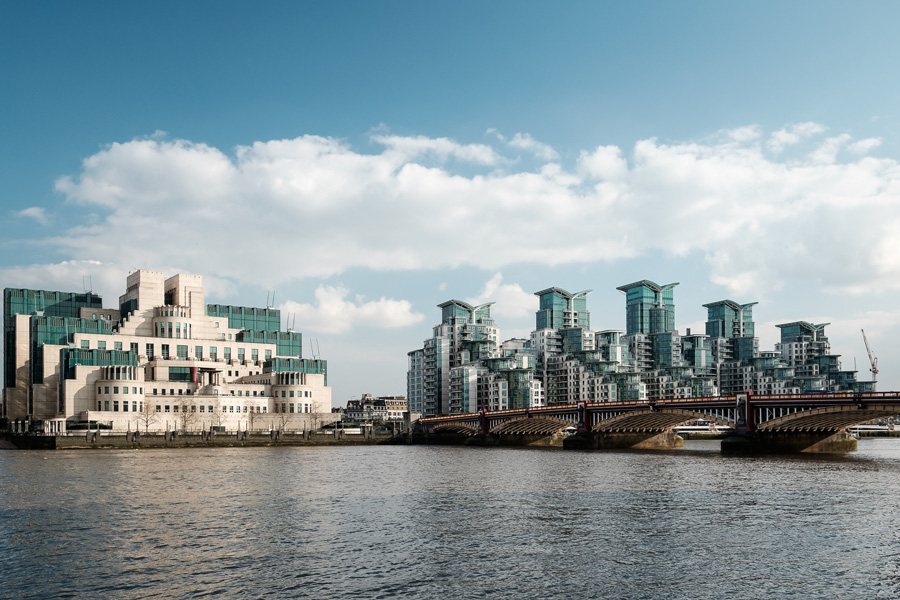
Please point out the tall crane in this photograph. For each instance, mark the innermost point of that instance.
(873, 360)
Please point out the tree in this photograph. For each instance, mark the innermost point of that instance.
(282, 419)
(187, 413)
(251, 418)
(147, 415)
(315, 407)
(217, 413)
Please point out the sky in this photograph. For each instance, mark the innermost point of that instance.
(363, 162)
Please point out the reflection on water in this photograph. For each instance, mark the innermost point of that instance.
(443, 522)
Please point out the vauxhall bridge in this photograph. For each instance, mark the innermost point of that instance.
(812, 422)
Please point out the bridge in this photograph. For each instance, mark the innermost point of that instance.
(814, 422)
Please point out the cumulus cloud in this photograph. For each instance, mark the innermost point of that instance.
(512, 301)
(864, 146)
(334, 313)
(413, 147)
(33, 212)
(312, 207)
(792, 134)
(524, 141)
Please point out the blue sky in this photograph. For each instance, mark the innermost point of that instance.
(367, 161)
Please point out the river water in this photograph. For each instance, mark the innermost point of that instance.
(449, 522)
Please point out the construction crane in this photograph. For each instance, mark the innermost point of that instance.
(873, 360)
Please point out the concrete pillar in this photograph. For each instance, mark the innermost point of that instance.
(790, 442)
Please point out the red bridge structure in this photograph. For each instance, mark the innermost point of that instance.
(813, 422)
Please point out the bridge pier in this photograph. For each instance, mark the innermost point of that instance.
(790, 442)
(624, 440)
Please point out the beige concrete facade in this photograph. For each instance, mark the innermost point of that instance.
(192, 373)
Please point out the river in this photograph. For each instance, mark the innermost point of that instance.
(449, 522)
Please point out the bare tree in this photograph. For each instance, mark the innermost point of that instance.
(187, 413)
(251, 418)
(218, 413)
(282, 419)
(315, 408)
(147, 415)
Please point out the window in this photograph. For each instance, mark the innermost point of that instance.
(292, 407)
(99, 405)
(254, 354)
(241, 354)
(198, 352)
(115, 389)
(175, 408)
(292, 393)
(154, 391)
(213, 353)
(268, 355)
(202, 407)
(99, 392)
(182, 352)
(134, 390)
(106, 389)
(125, 406)
(117, 345)
(149, 350)
(245, 409)
(282, 393)
(228, 354)
(134, 347)
(210, 409)
(167, 408)
(165, 351)
(115, 406)
(157, 408)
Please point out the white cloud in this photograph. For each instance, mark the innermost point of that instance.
(413, 147)
(524, 141)
(285, 210)
(605, 162)
(792, 134)
(745, 134)
(33, 212)
(827, 152)
(512, 301)
(333, 313)
(864, 146)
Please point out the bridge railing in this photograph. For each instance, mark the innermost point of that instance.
(827, 397)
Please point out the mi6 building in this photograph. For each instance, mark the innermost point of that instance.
(163, 360)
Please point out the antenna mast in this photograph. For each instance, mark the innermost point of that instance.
(873, 360)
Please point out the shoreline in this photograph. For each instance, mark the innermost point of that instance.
(96, 441)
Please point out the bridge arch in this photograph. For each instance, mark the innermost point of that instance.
(648, 419)
(531, 425)
(458, 428)
(829, 418)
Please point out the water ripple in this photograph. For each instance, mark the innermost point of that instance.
(426, 522)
